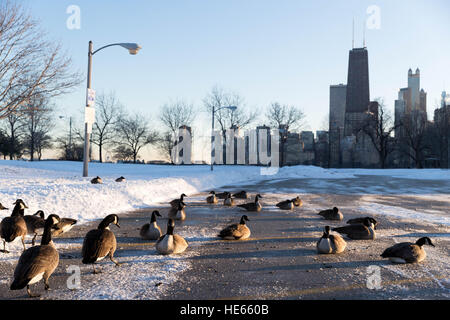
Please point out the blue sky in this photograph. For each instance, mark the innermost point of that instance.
(266, 50)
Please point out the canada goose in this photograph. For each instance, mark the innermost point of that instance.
(14, 226)
(286, 205)
(37, 262)
(297, 202)
(407, 252)
(171, 243)
(120, 179)
(236, 231)
(2, 207)
(222, 195)
(363, 231)
(64, 225)
(330, 243)
(252, 206)
(229, 201)
(97, 180)
(331, 214)
(101, 242)
(212, 199)
(151, 231)
(361, 220)
(178, 213)
(35, 224)
(174, 203)
(241, 195)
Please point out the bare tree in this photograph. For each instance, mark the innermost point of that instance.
(134, 134)
(288, 115)
(108, 112)
(37, 123)
(414, 142)
(227, 118)
(380, 127)
(14, 134)
(29, 65)
(172, 116)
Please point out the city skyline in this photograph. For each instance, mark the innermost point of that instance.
(265, 51)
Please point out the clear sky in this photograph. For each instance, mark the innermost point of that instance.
(289, 51)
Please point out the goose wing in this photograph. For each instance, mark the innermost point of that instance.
(33, 222)
(251, 206)
(357, 230)
(13, 227)
(97, 244)
(406, 250)
(34, 261)
(337, 241)
(229, 231)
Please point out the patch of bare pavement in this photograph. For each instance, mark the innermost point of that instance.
(279, 261)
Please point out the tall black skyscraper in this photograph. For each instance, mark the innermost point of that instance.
(358, 96)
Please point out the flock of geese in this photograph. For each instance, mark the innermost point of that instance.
(40, 261)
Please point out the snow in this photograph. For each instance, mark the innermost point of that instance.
(57, 187)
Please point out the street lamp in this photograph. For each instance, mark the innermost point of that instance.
(232, 108)
(133, 49)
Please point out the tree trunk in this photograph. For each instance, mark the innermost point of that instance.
(100, 152)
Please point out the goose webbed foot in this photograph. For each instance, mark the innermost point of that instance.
(31, 295)
(95, 271)
(4, 251)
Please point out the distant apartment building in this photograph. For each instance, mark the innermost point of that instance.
(410, 113)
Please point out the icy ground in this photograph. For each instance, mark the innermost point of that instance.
(57, 187)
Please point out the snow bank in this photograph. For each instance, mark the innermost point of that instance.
(57, 186)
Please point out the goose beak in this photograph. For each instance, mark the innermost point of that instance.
(118, 225)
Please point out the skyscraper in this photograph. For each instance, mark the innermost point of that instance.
(338, 94)
(358, 95)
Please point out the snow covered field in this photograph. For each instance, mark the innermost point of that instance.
(57, 187)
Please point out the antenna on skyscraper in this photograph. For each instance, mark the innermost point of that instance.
(353, 34)
(364, 35)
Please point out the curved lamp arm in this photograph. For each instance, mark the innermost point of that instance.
(132, 48)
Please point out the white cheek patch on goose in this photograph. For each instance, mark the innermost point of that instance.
(55, 221)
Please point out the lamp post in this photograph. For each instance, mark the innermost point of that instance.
(133, 49)
(232, 108)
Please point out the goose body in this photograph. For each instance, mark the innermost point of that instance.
(175, 203)
(331, 214)
(35, 224)
(241, 195)
(229, 201)
(101, 242)
(237, 231)
(38, 262)
(178, 213)
(252, 206)
(97, 180)
(14, 227)
(363, 231)
(330, 243)
(361, 221)
(286, 205)
(222, 195)
(151, 231)
(212, 199)
(171, 243)
(120, 179)
(407, 252)
(63, 226)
